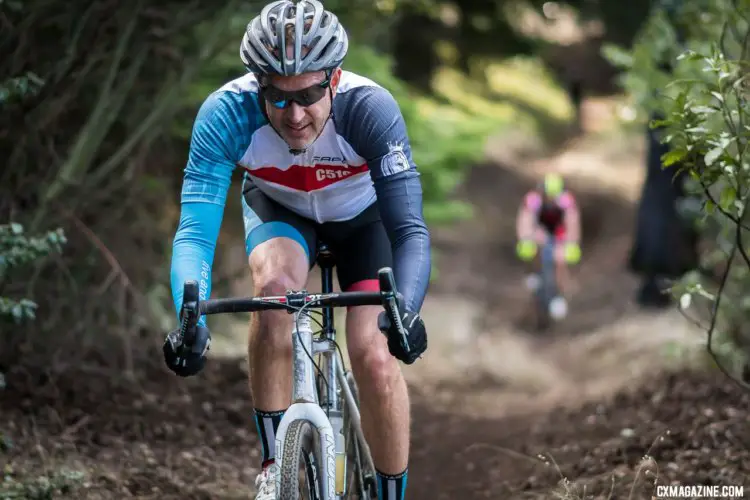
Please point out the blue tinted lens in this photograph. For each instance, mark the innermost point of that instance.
(279, 104)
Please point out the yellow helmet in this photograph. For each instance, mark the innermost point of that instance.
(553, 185)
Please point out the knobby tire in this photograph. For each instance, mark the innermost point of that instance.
(299, 480)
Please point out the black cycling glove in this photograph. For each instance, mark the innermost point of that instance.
(183, 359)
(416, 336)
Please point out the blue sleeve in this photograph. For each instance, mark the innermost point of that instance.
(400, 204)
(193, 249)
(220, 134)
(378, 133)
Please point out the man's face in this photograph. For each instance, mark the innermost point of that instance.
(300, 125)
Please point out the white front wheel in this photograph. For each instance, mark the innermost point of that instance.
(558, 308)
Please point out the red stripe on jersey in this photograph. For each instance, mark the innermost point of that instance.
(307, 178)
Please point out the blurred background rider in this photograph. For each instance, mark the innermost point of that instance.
(550, 211)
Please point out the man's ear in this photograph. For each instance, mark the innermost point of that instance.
(335, 79)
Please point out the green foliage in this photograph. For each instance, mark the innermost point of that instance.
(17, 250)
(20, 87)
(62, 482)
(650, 65)
(88, 91)
(689, 66)
(442, 146)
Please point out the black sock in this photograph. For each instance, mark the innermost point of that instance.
(391, 487)
(267, 423)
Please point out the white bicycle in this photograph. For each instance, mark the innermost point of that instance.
(321, 451)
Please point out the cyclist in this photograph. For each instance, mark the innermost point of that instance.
(326, 155)
(550, 210)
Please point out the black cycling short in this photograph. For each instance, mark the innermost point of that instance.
(360, 245)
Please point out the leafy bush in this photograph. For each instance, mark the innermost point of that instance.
(18, 250)
(689, 66)
(443, 146)
(45, 487)
(87, 91)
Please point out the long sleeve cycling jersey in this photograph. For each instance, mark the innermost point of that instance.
(363, 156)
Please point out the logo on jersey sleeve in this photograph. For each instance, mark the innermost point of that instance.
(308, 177)
(395, 161)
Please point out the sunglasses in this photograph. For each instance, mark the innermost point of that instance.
(281, 99)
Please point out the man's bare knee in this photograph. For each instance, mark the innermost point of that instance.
(381, 368)
(370, 358)
(277, 265)
(275, 282)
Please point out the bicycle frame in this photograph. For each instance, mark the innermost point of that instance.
(549, 270)
(326, 416)
(547, 289)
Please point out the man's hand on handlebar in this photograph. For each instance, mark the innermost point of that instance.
(185, 348)
(407, 338)
(183, 359)
(416, 336)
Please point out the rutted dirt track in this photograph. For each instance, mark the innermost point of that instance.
(487, 400)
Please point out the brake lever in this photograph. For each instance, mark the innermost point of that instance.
(190, 312)
(394, 303)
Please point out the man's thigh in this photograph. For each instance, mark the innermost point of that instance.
(274, 236)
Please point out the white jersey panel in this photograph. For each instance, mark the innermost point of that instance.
(329, 182)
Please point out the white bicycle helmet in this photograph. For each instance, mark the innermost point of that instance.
(319, 41)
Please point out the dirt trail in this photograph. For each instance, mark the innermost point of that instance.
(488, 398)
(484, 356)
(497, 395)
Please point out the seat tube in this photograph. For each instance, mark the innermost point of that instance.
(326, 281)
